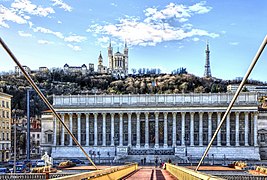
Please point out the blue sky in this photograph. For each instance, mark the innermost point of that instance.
(160, 34)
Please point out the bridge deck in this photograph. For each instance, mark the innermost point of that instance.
(150, 173)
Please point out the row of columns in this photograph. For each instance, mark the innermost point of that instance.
(165, 145)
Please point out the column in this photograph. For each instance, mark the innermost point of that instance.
(255, 128)
(209, 126)
(95, 129)
(104, 129)
(228, 129)
(246, 129)
(55, 131)
(237, 129)
(174, 129)
(138, 130)
(71, 125)
(219, 133)
(165, 145)
(129, 129)
(79, 128)
(146, 131)
(200, 129)
(121, 130)
(191, 129)
(156, 129)
(183, 128)
(62, 130)
(112, 129)
(87, 129)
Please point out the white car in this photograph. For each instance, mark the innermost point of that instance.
(40, 163)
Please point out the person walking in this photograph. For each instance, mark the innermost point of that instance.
(156, 162)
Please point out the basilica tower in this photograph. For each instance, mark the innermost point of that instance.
(118, 62)
(207, 72)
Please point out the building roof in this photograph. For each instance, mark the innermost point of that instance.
(6, 95)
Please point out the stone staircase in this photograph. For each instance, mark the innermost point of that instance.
(150, 159)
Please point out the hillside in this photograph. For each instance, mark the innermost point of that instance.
(57, 82)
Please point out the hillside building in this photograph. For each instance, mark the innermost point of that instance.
(118, 62)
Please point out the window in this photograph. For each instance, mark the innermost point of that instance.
(38, 143)
(3, 114)
(33, 136)
(3, 103)
(49, 138)
(262, 137)
(7, 136)
(3, 136)
(7, 114)
(38, 136)
(7, 104)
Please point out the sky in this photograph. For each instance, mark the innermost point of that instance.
(161, 34)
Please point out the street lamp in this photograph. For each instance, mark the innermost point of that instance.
(185, 139)
(115, 139)
(15, 112)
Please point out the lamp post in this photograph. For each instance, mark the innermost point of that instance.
(115, 139)
(185, 139)
(15, 112)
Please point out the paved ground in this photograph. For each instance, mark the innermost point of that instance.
(150, 173)
(212, 168)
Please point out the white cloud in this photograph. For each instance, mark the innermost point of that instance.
(45, 42)
(156, 27)
(234, 43)
(9, 15)
(113, 4)
(75, 38)
(177, 12)
(62, 5)
(23, 34)
(48, 31)
(200, 8)
(146, 34)
(195, 39)
(25, 6)
(59, 22)
(75, 48)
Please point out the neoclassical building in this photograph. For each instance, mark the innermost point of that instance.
(158, 124)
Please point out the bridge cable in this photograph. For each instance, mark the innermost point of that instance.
(254, 61)
(44, 99)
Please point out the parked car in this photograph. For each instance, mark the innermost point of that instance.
(4, 170)
(77, 161)
(40, 163)
(20, 169)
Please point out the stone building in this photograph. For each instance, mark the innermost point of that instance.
(101, 68)
(75, 69)
(118, 62)
(18, 71)
(5, 126)
(158, 124)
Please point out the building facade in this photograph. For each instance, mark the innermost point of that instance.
(101, 68)
(5, 126)
(160, 124)
(118, 62)
(248, 87)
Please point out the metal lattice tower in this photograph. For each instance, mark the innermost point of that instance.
(207, 72)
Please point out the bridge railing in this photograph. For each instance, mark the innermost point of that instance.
(116, 172)
(188, 174)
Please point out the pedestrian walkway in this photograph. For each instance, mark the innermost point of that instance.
(150, 173)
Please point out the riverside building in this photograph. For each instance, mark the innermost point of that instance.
(5, 126)
(158, 124)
